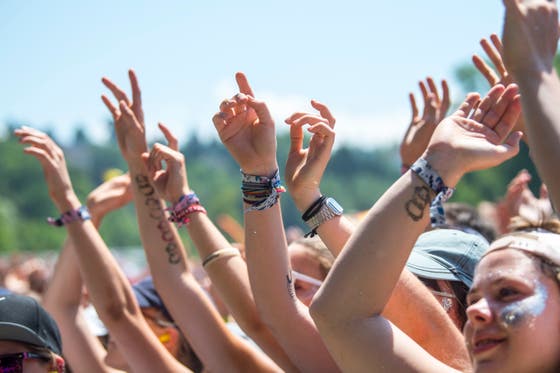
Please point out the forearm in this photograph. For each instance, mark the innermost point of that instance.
(270, 275)
(229, 276)
(540, 94)
(364, 275)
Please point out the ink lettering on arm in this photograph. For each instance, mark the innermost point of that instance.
(157, 213)
(290, 285)
(417, 204)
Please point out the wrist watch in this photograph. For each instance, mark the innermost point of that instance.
(329, 209)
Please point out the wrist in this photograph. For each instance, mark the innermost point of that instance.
(304, 200)
(174, 199)
(261, 169)
(67, 202)
(444, 168)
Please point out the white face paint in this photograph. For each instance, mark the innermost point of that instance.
(525, 310)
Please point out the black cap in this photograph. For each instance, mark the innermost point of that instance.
(22, 319)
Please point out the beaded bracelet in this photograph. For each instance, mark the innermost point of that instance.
(81, 213)
(261, 192)
(188, 204)
(430, 176)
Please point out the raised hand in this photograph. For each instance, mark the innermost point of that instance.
(51, 157)
(170, 182)
(421, 128)
(305, 166)
(109, 196)
(128, 117)
(466, 142)
(247, 130)
(530, 36)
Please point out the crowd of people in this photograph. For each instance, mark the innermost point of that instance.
(417, 284)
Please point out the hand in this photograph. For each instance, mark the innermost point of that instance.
(530, 37)
(494, 52)
(129, 119)
(520, 201)
(52, 160)
(466, 142)
(247, 130)
(305, 167)
(109, 196)
(421, 128)
(170, 182)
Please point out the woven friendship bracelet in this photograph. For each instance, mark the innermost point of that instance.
(425, 172)
(81, 213)
(188, 204)
(261, 192)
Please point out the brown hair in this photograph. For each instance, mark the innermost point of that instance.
(318, 251)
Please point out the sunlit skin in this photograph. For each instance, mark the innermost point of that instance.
(29, 365)
(301, 261)
(513, 316)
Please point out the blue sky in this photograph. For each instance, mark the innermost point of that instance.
(359, 57)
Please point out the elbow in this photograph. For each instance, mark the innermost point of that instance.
(321, 311)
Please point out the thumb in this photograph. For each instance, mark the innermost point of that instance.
(260, 109)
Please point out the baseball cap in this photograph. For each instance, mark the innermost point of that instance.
(537, 242)
(147, 296)
(22, 319)
(447, 254)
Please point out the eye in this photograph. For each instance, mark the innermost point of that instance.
(507, 292)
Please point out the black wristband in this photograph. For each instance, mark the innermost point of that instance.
(313, 209)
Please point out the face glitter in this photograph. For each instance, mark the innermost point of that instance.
(526, 309)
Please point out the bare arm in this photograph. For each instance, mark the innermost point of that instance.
(108, 287)
(348, 307)
(530, 40)
(247, 130)
(218, 349)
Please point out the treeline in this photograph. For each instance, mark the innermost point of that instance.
(355, 177)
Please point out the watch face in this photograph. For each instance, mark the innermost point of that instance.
(334, 206)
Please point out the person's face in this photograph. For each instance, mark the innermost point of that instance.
(513, 316)
(29, 365)
(302, 262)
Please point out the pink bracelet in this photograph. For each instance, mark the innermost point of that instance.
(81, 213)
(188, 204)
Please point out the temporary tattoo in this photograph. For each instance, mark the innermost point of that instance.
(420, 199)
(290, 285)
(157, 213)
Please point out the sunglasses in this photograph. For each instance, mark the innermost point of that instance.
(13, 363)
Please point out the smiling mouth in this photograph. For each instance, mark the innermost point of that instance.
(486, 344)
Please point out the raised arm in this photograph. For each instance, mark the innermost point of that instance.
(225, 267)
(247, 130)
(218, 349)
(62, 299)
(347, 308)
(411, 307)
(107, 285)
(530, 40)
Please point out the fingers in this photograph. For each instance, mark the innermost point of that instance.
(136, 93)
(413, 106)
(260, 109)
(509, 118)
(296, 138)
(487, 102)
(446, 100)
(497, 43)
(467, 106)
(172, 141)
(433, 88)
(485, 70)
(41, 155)
(115, 112)
(543, 194)
(495, 112)
(324, 111)
(424, 91)
(117, 92)
(243, 84)
(494, 55)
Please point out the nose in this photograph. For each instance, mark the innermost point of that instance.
(479, 312)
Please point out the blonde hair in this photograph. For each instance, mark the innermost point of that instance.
(318, 251)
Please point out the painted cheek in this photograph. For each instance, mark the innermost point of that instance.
(526, 310)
